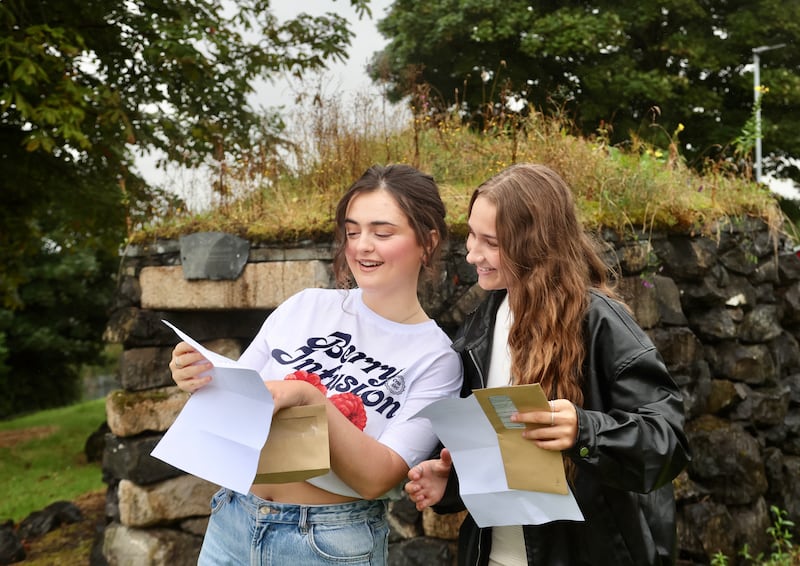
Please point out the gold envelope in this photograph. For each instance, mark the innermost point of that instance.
(297, 446)
(527, 466)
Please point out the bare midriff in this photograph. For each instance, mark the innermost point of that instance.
(300, 493)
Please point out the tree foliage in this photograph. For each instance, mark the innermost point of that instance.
(618, 67)
(84, 87)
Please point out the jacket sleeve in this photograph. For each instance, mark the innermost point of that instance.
(451, 501)
(630, 429)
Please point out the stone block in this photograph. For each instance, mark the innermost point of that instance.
(404, 520)
(789, 268)
(679, 347)
(764, 407)
(261, 285)
(422, 550)
(747, 363)
(641, 297)
(132, 412)
(685, 257)
(669, 302)
(723, 395)
(306, 251)
(195, 525)
(705, 528)
(726, 460)
(130, 459)
(135, 327)
(148, 367)
(634, 257)
(123, 546)
(168, 501)
(145, 368)
(714, 325)
(761, 324)
(442, 526)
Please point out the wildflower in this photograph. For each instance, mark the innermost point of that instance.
(516, 103)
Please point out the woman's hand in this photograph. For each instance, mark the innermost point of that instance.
(427, 481)
(560, 425)
(189, 368)
(292, 393)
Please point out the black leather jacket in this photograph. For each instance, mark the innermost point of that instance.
(630, 446)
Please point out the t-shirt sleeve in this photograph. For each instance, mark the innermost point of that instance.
(256, 356)
(413, 438)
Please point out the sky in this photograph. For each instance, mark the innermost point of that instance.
(345, 78)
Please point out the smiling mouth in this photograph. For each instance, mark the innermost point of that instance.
(369, 264)
(484, 270)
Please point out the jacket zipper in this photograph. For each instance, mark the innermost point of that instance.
(477, 368)
(483, 383)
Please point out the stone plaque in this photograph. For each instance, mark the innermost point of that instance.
(213, 255)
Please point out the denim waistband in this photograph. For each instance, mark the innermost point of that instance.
(274, 512)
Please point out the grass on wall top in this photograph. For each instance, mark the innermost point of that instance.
(291, 195)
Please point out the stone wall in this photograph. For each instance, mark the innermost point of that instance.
(723, 310)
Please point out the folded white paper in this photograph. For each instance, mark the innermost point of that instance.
(474, 444)
(222, 428)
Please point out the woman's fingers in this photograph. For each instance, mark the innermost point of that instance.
(557, 428)
(189, 368)
(427, 481)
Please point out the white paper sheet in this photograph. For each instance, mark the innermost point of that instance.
(222, 428)
(465, 430)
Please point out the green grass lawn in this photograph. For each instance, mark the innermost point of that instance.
(42, 458)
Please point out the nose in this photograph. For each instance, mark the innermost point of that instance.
(473, 254)
(364, 243)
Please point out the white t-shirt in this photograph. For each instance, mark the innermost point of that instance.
(500, 361)
(508, 542)
(396, 369)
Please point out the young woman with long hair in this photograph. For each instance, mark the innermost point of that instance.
(373, 342)
(552, 317)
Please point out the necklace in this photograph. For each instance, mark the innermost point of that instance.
(412, 315)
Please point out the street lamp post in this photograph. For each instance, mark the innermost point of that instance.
(757, 97)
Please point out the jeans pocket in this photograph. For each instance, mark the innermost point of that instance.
(344, 542)
(219, 499)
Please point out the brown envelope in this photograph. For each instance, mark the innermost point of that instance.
(527, 466)
(297, 446)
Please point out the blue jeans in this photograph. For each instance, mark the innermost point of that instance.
(249, 531)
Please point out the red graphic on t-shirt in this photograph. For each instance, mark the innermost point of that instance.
(312, 378)
(350, 405)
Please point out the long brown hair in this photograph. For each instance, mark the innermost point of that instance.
(551, 263)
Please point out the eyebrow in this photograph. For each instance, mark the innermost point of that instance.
(373, 223)
(482, 234)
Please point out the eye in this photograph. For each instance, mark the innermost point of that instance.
(350, 234)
